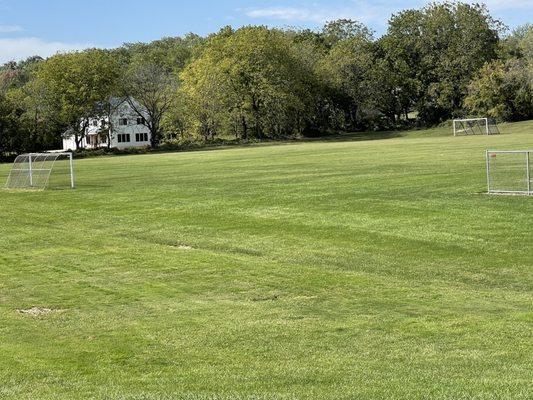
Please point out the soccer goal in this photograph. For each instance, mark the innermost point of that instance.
(510, 172)
(475, 126)
(41, 170)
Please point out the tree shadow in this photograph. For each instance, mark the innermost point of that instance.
(356, 136)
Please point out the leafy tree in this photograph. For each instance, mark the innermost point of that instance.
(398, 70)
(441, 47)
(17, 134)
(502, 90)
(518, 44)
(68, 87)
(4, 130)
(526, 44)
(347, 71)
(344, 29)
(171, 53)
(150, 90)
(250, 83)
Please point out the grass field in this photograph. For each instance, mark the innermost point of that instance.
(339, 269)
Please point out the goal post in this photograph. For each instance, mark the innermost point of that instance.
(510, 171)
(475, 126)
(39, 171)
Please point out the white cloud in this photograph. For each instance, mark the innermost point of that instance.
(363, 11)
(290, 14)
(21, 48)
(369, 12)
(509, 4)
(10, 28)
(314, 15)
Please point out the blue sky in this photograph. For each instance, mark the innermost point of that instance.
(44, 27)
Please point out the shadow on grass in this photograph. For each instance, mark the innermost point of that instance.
(326, 138)
(229, 144)
(356, 136)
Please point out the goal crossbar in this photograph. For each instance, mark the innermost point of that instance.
(33, 170)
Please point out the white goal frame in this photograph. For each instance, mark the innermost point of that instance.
(469, 126)
(33, 170)
(525, 180)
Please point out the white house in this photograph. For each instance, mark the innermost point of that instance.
(123, 128)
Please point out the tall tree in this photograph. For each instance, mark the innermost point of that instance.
(518, 44)
(68, 88)
(150, 90)
(346, 70)
(344, 29)
(441, 47)
(253, 83)
(503, 90)
(17, 133)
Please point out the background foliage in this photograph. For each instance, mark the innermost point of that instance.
(442, 61)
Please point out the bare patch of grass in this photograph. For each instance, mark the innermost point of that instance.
(273, 297)
(38, 311)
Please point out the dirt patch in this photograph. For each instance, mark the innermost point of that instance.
(185, 247)
(38, 311)
(273, 297)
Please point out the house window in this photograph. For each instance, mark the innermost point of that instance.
(141, 121)
(123, 121)
(141, 137)
(123, 138)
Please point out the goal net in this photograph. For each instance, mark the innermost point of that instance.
(510, 172)
(41, 170)
(475, 126)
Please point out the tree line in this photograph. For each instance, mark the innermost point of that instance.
(438, 62)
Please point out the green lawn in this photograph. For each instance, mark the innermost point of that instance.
(338, 269)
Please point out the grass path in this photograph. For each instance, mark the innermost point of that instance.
(323, 270)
